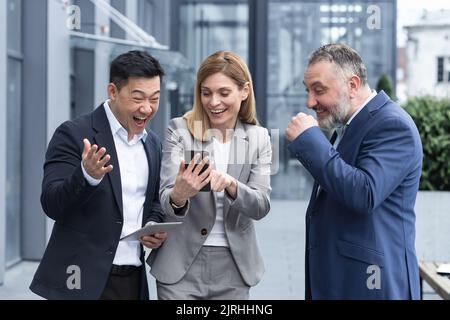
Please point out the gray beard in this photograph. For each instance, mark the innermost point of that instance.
(337, 117)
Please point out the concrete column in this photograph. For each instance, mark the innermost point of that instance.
(58, 74)
(34, 125)
(102, 57)
(3, 86)
(58, 68)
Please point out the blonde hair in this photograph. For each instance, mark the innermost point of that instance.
(231, 65)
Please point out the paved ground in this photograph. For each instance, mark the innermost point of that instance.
(17, 280)
(281, 238)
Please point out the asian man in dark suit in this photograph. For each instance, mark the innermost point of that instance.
(360, 223)
(101, 182)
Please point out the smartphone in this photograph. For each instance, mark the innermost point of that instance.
(189, 155)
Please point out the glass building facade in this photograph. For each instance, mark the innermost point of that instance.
(275, 37)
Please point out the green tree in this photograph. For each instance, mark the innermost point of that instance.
(385, 84)
(432, 117)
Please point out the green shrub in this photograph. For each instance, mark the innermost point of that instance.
(432, 118)
(385, 84)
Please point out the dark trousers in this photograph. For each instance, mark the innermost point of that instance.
(124, 283)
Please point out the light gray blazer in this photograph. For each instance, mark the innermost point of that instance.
(249, 163)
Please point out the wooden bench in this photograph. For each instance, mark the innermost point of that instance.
(440, 283)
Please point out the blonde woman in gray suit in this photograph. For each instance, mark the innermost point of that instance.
(214, 253)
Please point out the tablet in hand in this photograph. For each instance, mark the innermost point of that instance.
(151, 228)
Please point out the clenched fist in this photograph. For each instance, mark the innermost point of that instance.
(299, 124)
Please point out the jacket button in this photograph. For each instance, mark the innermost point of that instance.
(204, 232)
(119, 222)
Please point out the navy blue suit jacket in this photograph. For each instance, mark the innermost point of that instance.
(360, 228)
(88, 220)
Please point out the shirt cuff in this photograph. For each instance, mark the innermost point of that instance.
(92, 181)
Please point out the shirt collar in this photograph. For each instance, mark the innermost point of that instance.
(340, 130)
(372, 95)
(116, 127)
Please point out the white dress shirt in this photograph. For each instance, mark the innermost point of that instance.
(217, 236)
(134, 178)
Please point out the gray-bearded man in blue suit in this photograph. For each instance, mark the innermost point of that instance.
(360, 223)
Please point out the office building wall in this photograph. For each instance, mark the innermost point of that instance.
(3, 87)
(33, 125)
(58, 78)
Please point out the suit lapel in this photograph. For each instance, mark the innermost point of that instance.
(315, 189)
(151, 160)
(354, 129)
(238, 156)
(104, 138)
(238, 151)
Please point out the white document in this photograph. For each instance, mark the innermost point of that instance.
(151, 228)
(444, 268)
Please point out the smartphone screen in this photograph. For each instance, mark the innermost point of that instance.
(189, 155)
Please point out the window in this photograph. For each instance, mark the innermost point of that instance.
(443, 69)
(117, 30)
(206, 27)
(146, 15)
(14, 24)
(209, 27)
(440, 69)
(447, 69)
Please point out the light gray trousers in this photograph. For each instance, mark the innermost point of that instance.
(212, 276)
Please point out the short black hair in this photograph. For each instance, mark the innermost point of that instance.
(133, 64)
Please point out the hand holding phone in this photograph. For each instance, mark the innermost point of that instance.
(189, 156)
(193, 176)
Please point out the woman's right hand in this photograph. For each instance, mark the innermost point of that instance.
(189, 181)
